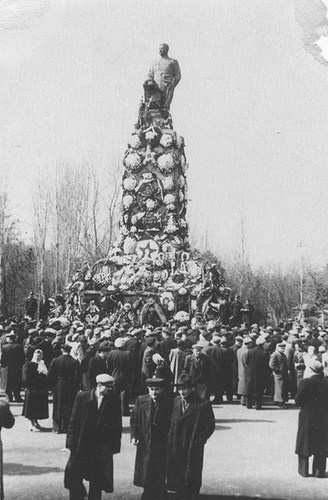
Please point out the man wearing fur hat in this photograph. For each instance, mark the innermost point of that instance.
(93, 437)
(312, 435)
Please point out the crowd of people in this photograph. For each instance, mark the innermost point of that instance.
(165, 378)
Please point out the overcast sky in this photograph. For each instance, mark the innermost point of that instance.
(252, 105)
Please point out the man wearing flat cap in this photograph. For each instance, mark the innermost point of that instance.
(93, 437)
(197, 366)
(192, 424)
(312, 435)
(150, 422)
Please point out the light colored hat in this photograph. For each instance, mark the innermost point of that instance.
(104, 378)
(260, 340)
(247, 340)
(315, 365)
(197, 346)
(119, 343)
(157, 357)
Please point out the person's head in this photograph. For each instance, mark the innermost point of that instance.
(311, 350)
(66, 349)
(155, 387)
(281, 347)
(104, 349)
(316, 367)
(184, 385)
(37, 355)
(197, 349)
(105, 384)
(163, 49)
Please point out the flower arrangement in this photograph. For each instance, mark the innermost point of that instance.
(168, 183)
(132, 162)
(129, 245)
(127, 201)
(166, 140)
(134, 141)
(150, 204)
(130, 183)
(166, 163)
(181, 316)
(169, 198)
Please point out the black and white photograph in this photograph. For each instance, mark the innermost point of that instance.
(163, 249)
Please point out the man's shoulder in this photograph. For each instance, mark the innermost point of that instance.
(144, 399)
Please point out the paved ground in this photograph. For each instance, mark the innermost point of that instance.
(250, 455)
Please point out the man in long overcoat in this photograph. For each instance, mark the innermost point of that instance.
(150, 422)
(63, 379)
(98, 364)
(13, 358)
(93, 437)
(197, 365)
(258, 363)
(119, 365)
(222, 359)
(278, 365)
(312, 435)
(192, 424)
(244, 372)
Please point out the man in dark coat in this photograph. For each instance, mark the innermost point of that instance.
(168, 343)
(13, 358)
(150, 422)
(197, 366)
(236, 314)
(133, 346)
(93, 437)
(225, 312)
(258, 363)
(222, 359)
(192, 423)
(312, 435)
(278, 365)
(120, 368)
(98, 364)
(63, 379)
(31, 305)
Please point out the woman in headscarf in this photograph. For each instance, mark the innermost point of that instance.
(36, 397)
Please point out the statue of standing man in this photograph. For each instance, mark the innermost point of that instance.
(165, 72)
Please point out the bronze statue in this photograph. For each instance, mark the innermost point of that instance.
(165, 72)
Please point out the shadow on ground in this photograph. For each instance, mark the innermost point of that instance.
(11, 469)
(225, 497)
(243, 420)
(221, 427)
